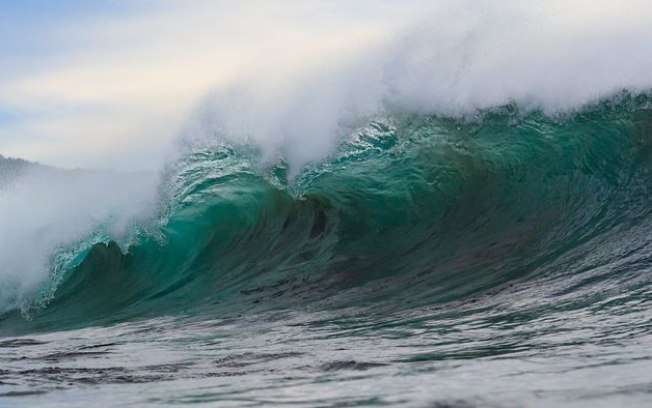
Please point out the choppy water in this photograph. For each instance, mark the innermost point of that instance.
(496, 260)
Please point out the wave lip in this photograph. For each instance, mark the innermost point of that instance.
(49, 218)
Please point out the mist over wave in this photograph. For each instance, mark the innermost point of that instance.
(50, 217)
(462, 57)
(460, 62)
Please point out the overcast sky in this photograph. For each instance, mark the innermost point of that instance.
(109, 83)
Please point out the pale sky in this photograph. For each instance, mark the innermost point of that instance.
(109, 84)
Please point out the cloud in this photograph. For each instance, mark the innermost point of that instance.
(113, 87)
(100, 88)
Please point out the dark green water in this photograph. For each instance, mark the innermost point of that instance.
(502, 259)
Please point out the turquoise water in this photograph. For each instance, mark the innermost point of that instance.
(500, 259)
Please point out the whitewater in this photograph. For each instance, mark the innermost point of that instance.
(458, 216)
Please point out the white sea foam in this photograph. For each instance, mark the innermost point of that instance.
(462, 56)
(46, 211)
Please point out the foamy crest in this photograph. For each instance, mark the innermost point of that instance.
(47, 211)
(464, 56)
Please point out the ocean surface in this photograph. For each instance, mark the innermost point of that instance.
(500, 259)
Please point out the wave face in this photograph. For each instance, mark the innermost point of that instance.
(410, 211)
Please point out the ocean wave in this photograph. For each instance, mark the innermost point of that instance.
(408, 211)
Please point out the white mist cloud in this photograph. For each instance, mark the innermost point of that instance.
(125, 85)
(55, 212)
(461, 57)
(113, 91)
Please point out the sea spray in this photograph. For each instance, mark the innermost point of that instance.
(48, 217)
